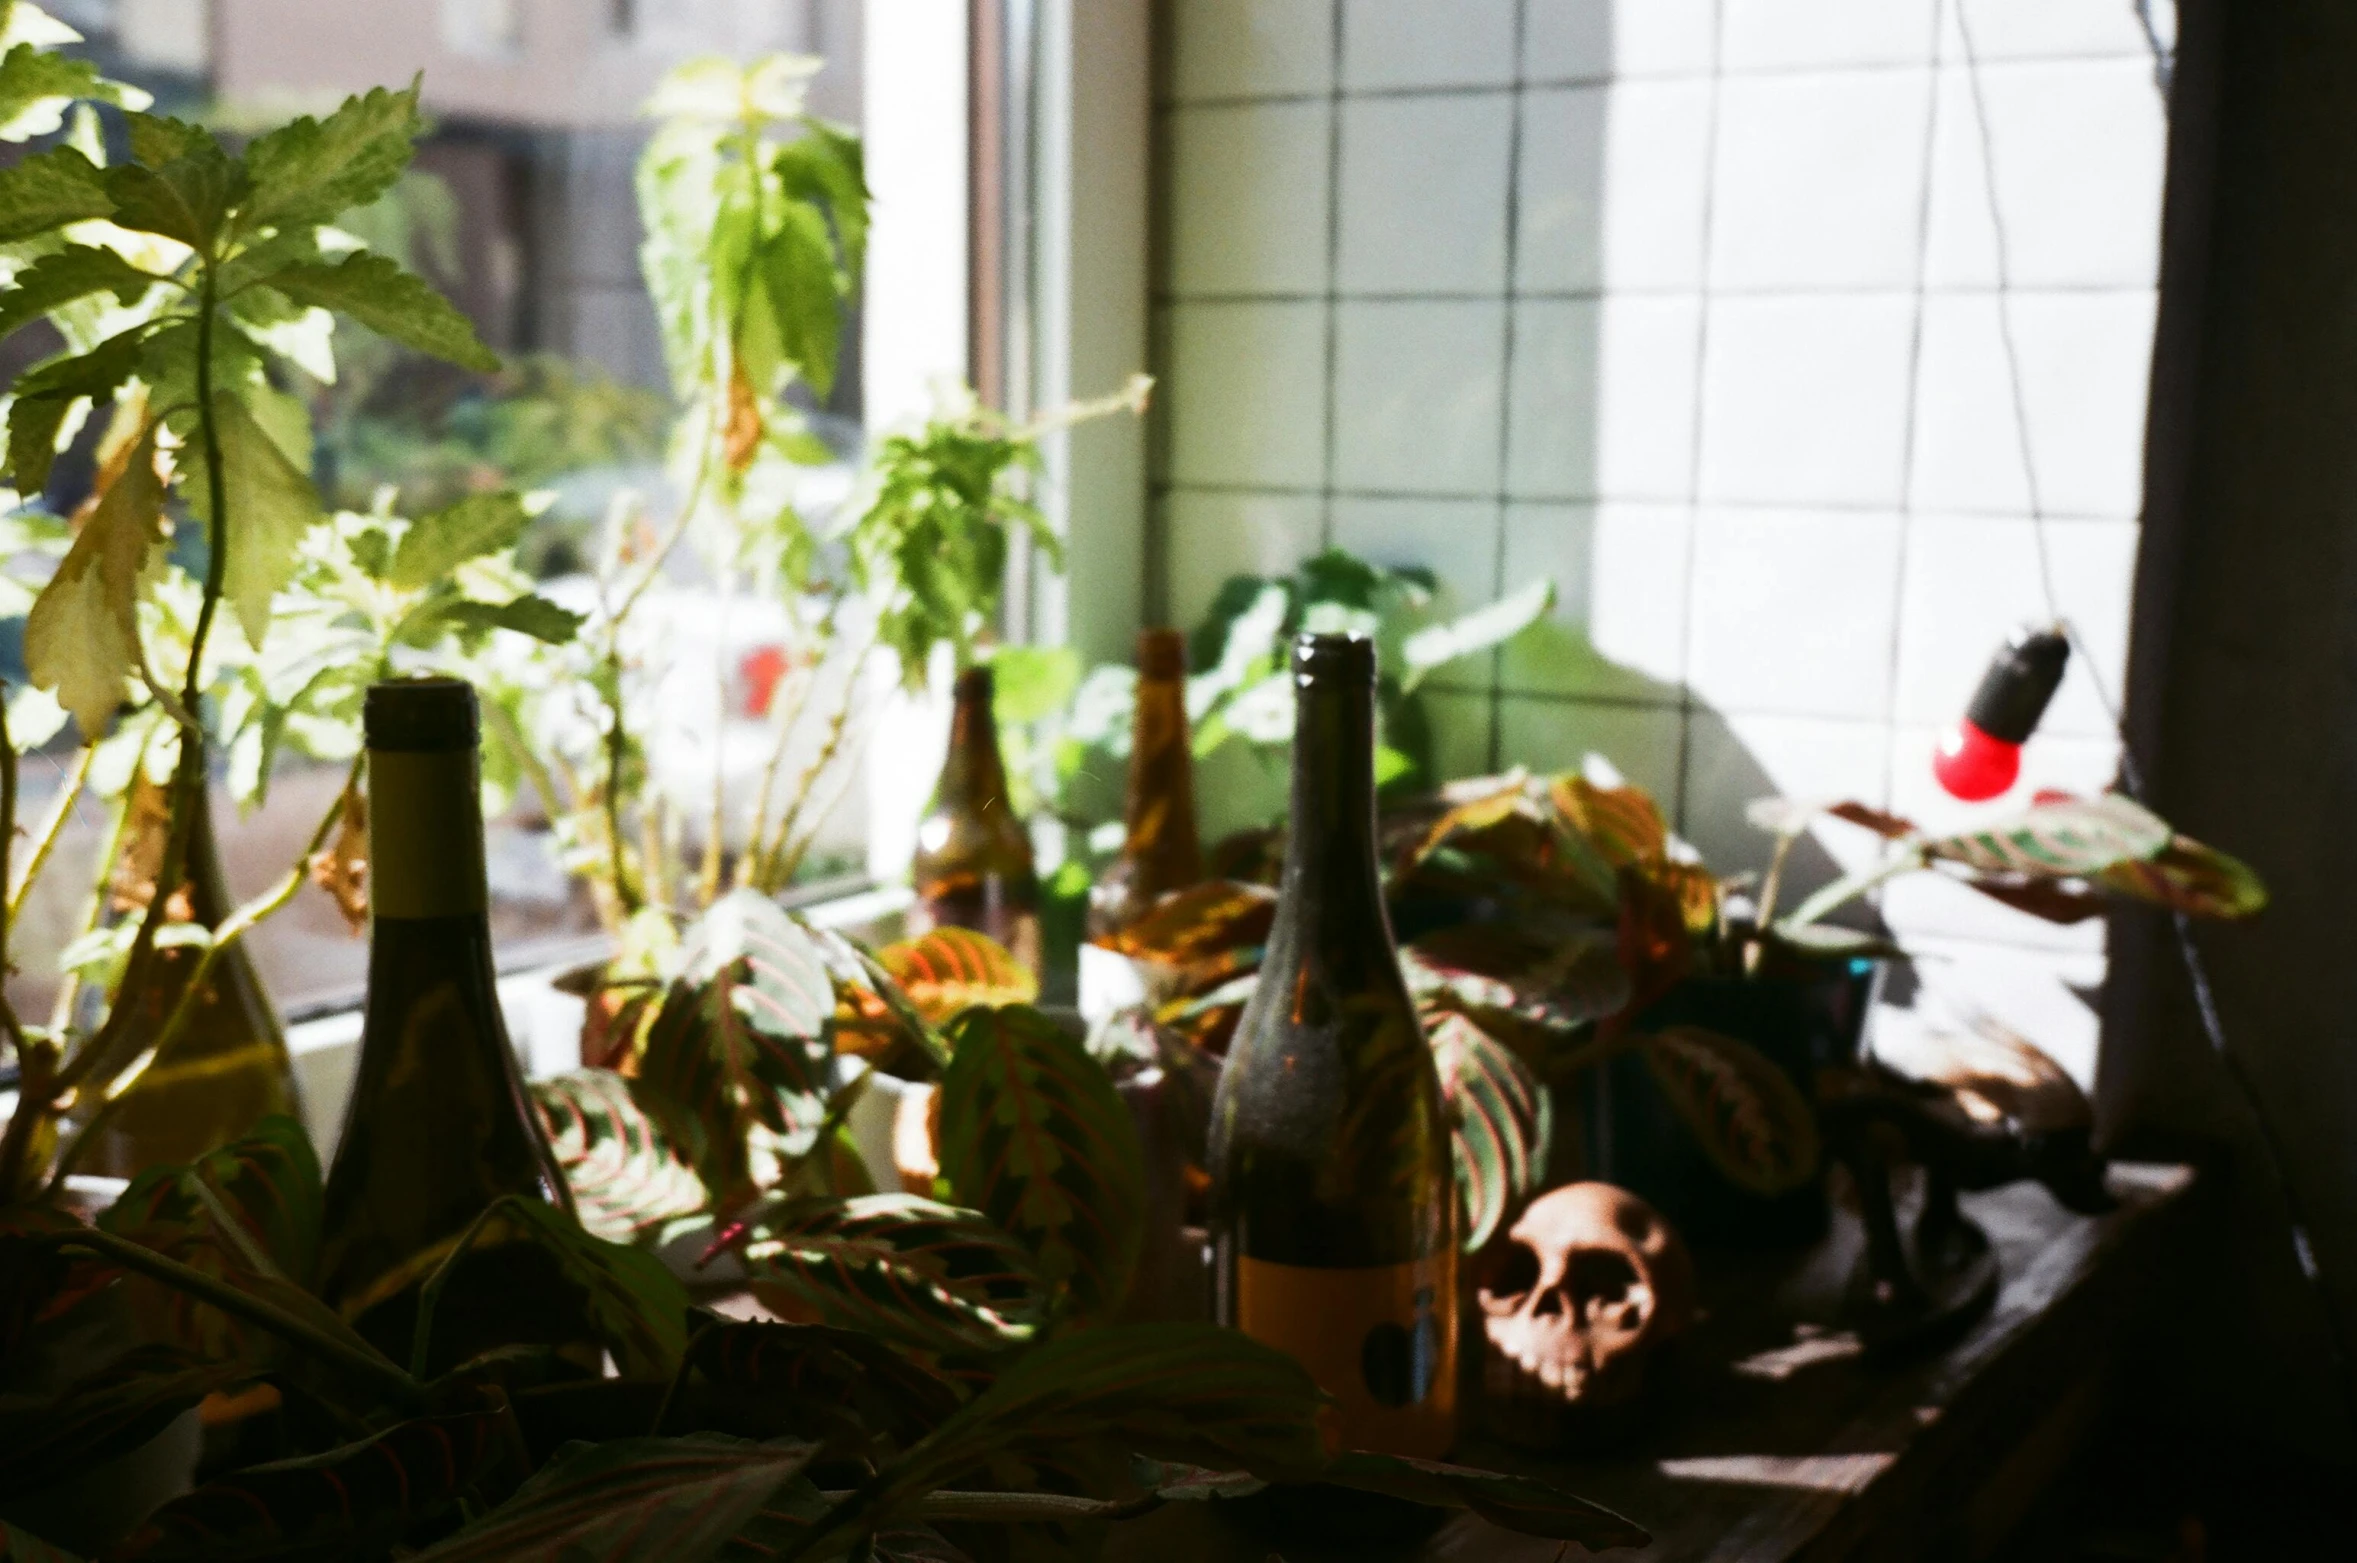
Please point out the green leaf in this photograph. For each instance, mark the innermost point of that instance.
(441, 541)
(357, 1501)
(741, 1041)
(377, 293)
(180, 184)
(46, 394)
(1032, 683)
(1034, 1136)
(1745, 1113)
(529, 614)
(826, 167)
(308, 171)
(1515, 979)
(49, 190)
(267, 1182)
(1440, 644)
(636, 1306)
(106, 1413)
(1500, 1121)
(1518, 1503)
(1195, 1393)
(35, 86)
(82, 636)
(796, 300)
(630, 1500)
(271, 505)
(75, 272)
(928, 1275)
(951, 970)
(628, 1179)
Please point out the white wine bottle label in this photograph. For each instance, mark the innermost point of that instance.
(1382, 1341)
(425, 834)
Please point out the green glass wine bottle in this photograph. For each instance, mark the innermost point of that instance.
(228, 1068)
(439, 1125)
(973, 867)
(1333, 1206)
(1160, 850)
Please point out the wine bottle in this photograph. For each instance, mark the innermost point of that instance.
(973, 867)
(438, 1125)
(228, 1069)
(1333, 1205)
(1160, 851)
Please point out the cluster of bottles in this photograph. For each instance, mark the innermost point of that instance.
(1333, 1204)
(1333, 1207)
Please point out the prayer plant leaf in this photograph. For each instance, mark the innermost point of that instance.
(107, 1413)
(2059, 837)
(58, 279)
(1517, 975)
(49, 190)
(636, 1306)
(357, 1501)
(1193, 1393)
(82, 635)
(906, 1269)
(628, 1179)
(1199, 923)
(376, 292)
(270, 506)
(630, 1500)
(442, 540)
(310, 171)
(841, 1387)
(1034, 1136)
(1746, 1114)
(951, 970)
(1623, 824)
(2186, 876)
(1500, 1123)
(741, 1041)
(1523, 1504)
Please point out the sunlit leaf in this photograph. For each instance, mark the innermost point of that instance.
(929, 1275)
(1554, 980)
(49, 190)
(628, 1180)
(950, 970)
(442, 540)
(2059, 837)
(376, 292)
(311, 171)
(57, 279)
(180, 183)
(1622, 823)
(82, 636)
(2186, 876)
(44, 396)
(270, 506)
(1440, 644)
(1746, 1113)
(1198, 923)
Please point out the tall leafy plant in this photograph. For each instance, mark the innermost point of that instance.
(189, 283)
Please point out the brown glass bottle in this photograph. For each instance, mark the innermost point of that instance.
(973, 867)
(439, 1125)
(1333, 1206)
(228, 1069)
(1160, 851)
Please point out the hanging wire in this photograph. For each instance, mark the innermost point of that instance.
(2131, 777)
(2164, 57)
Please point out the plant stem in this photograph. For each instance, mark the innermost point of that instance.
(429, 1296)
(770, 878)
(233, 928)
(7, 827)
(1851, 886)
(359, 1360)
(60, 811)
(110, 852)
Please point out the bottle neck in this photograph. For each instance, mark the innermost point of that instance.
(1162, 845)
(1330, 865)
(972, 774)
(425, 835)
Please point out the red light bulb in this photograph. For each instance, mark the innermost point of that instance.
(1980, 756)
(1973, 766)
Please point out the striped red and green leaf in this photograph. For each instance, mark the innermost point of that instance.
(1034, 1136)
(1746, 1113)
(909, 1270)
(951, 970)
(1500, 1121)
(628, 1178)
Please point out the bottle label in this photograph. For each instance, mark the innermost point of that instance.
(425, 834)
(1381, 1340)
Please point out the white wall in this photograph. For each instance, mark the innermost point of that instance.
(1693, 307)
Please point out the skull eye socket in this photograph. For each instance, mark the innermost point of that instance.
(1598, 1275)
(1513, 1269)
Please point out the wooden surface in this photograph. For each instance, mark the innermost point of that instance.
(1767, 1437)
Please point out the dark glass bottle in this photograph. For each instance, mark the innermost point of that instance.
(439, 1125)
(973, 867)
(1160, 851)
(229, 1068)
(1333, 1206)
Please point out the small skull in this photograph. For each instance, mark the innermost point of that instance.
(1578, 1294)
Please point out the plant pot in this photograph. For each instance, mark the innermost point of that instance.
(1803, 1015)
